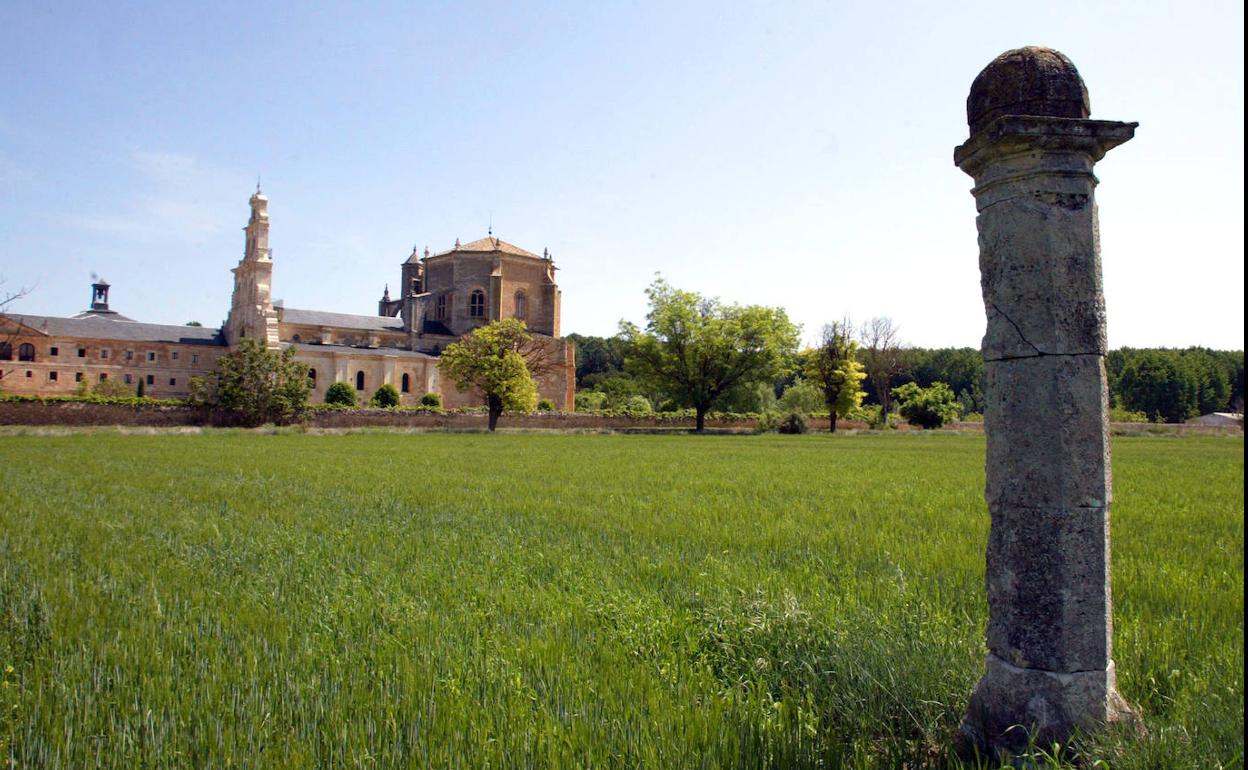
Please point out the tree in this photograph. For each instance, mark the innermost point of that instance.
(340, 394)
(698, 350)
(1156, 383)
(833, 368)
(883, 358)
(499, 360)
(929, 407)
(386, 397)
(257, 385)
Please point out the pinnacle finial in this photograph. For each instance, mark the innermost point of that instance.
(426, 251)
(457, 243)
(546, 253)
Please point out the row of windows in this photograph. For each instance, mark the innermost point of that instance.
(26, 352)
(476, 305)
(78, 377)
(405, 384)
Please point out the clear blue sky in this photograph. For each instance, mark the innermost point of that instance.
(786, 154)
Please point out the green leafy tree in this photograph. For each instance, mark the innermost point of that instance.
(386, 397)
(802, 396)
(698, 350)
(260, 386)
(834, 369)
(1157, 383)
(929, 407)
(340, 394)
(495, 359)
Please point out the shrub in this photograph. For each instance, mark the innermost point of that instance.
(802, 396)
(386, 397)
(1119, 414)
(112, 389)
(590, 400)
(929, 407)
(341, 394)
(793, 423)
(972, 417)
(433, 400)
(638, 406)
(545, 405)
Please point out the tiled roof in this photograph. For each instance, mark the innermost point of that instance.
(313, 347)
(376, 323)
(96, 327)
(491, 245)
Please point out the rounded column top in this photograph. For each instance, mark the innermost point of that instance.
(1027, 81)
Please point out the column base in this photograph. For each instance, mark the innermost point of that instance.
(1012, 707)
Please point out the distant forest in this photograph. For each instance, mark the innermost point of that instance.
(1163, 384)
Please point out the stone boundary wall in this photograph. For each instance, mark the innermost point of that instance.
(77, 413)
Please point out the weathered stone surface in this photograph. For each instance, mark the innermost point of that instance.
(1010, 704)
(1031, 153)
(1048, 436)
(1048, 588)
(1027, 81)
(1040, 274)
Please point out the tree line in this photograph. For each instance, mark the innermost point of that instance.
(700, 353)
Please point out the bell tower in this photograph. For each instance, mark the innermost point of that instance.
(251, 307)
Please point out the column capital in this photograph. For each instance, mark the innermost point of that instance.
(1012, 135)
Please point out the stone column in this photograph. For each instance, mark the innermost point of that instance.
(1031, 153)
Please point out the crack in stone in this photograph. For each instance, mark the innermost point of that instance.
(1039, 352)
(1059, 674)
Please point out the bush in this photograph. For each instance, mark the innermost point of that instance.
(927, 407)
(637, 406)
(590, 400)
(793, 423)
(432, 400)
(803, 396)
(545, 405)
(1119, 414)
(972, 417)
(386, 397)
(112, 389)
(341, 394)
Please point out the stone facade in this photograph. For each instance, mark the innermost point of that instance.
(444, 296)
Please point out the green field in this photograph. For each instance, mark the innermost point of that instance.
(234, 599)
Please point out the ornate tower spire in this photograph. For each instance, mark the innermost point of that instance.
(251, 307)
(257, 246)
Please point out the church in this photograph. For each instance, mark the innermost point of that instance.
(440, 298)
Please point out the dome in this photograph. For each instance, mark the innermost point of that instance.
(1027, 81)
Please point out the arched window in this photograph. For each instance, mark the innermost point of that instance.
(407, 383)
(25, 352)
(359, 380)
(440, 310)
(476, 304)
(295, 338)
(312, 377)
(522, 305)
(6, 351)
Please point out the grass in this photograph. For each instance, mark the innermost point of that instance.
(229, 599)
